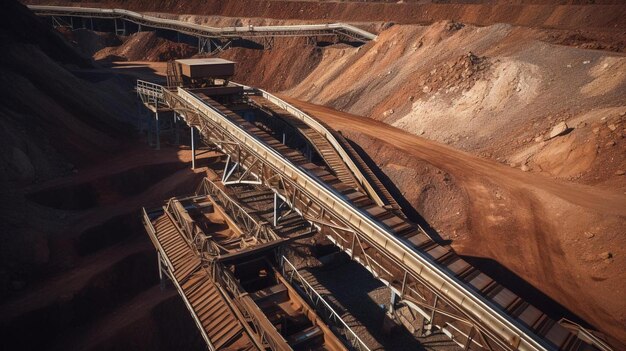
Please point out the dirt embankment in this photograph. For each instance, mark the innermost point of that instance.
(565, 239)
(495, 91)
(145, 46)
(76, 269)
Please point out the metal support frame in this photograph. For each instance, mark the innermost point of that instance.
(176, 129)
(157, 131)
(204, 45)
(278, 205)
(311, 41)
(252, 224)
(328, 314)
(414, 279)
(268, 43)
(359, 247)
(193, 147)
(345, 31)
(120, 31)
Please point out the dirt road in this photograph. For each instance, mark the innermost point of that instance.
(553, 234)
(466, 166)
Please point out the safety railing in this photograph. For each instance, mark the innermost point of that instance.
(510, 333)
(149, 92)
(328, 135)
(262, 326)
(255, 226)
(290, 272)
(192, 233)
(585, 334)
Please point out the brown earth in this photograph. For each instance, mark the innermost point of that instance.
(553, 234)
(76, 269)
(145, 46)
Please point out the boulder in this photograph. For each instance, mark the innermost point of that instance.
(557, 130)
(606, 255)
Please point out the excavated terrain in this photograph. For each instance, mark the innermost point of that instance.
(76, 269)
(455, 105)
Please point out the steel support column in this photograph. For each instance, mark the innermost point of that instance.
(149, 129)
(392, 302)
(176, 130)
(157, 131)
(193, 150)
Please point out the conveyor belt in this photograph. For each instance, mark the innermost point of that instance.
(209, 308)
(461, 284)
(323, 147)
(345, 30)
(391, 247)
(381, 190)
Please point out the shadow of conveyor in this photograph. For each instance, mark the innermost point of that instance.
(491, 267)
(406, 206)
(523, 289)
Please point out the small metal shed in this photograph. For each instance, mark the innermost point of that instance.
(207, 68)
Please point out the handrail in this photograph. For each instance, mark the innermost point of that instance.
(210, 188)
(170, 268)
(592, 338)
(509, 331)
(267, 331)
(147, 221)
(191, 232)
(318, 127)
(354, 339)
(342, 28)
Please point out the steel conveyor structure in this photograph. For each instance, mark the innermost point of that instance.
(453, 296)
(346, 31)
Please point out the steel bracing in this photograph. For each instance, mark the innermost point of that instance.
(342, 30)
(448, 293)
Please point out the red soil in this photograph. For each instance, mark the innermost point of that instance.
(538, 227)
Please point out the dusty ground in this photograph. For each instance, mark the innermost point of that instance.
(76, 268)
(552, 233)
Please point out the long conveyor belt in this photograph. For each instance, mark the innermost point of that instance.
(392, 246)
(505, 317)
(342, 29)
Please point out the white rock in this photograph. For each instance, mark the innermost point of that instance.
(557, 130)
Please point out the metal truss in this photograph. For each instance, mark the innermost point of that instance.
(253, 226)
(328, 314)
(349, 32)
(418, 285)
(261, 327)
(443, 301)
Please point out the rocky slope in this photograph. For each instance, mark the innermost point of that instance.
(76, 269)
